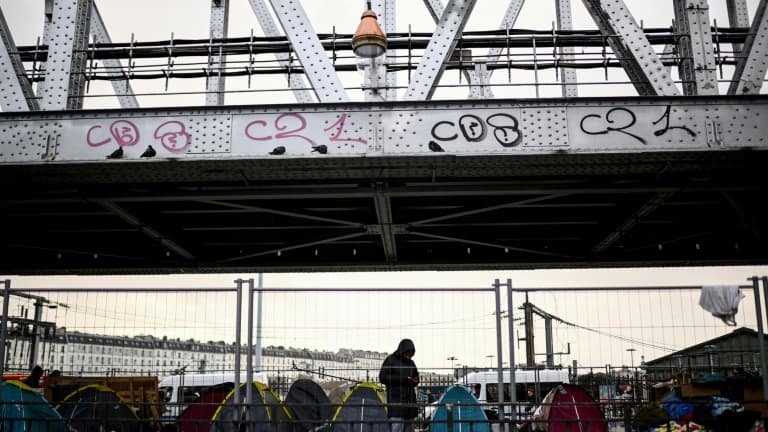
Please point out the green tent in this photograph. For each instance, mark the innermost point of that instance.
(95, 408)
(363, 410)
(265, 412)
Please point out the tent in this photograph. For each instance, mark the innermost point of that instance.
(197, 416)
(569, 408)
(265, 412)
(95, 408)
(22, 409)
(362, 410)
(466, 412)
(308, 405)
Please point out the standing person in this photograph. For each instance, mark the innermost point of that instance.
(399, 374)
(33, 380)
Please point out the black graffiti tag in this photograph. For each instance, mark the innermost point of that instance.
(506, 130)
(612, 117)
(667, 127)
(472, 127)
(508, 135)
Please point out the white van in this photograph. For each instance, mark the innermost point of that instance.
(531, 385)
(178, 391)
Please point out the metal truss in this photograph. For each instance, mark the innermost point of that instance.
(113, 67)
(738, 16)
(67, 40)
(308, 48)
(565, 22)
(14, 85)
(295, 81)
(698, 71)
(440, 49)
(215, 81)
(640, 62)
(66, 58)
(751, 68)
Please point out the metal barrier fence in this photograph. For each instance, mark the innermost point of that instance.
(591, 334)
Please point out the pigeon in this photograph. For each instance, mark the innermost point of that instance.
(278, 151)
(117, 154)
(149, 152)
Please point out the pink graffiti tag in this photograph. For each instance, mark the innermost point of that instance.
(124, 132)
(173, 136)
(280, 126)
(339, 126)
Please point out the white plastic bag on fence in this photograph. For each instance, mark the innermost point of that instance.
(722, 301)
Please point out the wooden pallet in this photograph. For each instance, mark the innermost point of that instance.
(140, 392)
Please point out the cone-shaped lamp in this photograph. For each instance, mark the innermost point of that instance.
(369, 40)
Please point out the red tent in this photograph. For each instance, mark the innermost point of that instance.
(197, 416)
(569, 408)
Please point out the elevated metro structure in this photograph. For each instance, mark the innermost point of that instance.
(432, 163)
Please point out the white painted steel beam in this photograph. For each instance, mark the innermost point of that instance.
(269, 27)
(390, 27)
(217, 63)
(439, 50)
(697, 68)
(317, 66)
(640, 62)
(15, 88)
(122, 88)
(375, 70)
(67, 42)
(520, 128)
(436, 9)
(48, 12)
(750, 69)
(507, 22)
(565, 22)
(738, 16)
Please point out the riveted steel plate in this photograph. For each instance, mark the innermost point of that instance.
(28, 140)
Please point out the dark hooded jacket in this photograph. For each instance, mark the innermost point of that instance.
(401, 391)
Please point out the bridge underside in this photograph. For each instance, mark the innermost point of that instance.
(385, 213)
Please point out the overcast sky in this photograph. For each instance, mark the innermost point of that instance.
(442, 325)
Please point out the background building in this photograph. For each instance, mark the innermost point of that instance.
(76, 353)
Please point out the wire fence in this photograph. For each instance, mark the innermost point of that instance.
(628, 349)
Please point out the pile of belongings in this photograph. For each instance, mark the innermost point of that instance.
(685, 426)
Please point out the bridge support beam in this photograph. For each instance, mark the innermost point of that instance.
(67, 39)
(15, 87)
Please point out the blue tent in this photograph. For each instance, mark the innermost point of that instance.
(466, 413)
(22, 409)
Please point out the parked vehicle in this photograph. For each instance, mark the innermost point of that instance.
(530, 384)
(178, 391)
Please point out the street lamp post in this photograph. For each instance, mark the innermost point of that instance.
(491, 356)
(453, 371)
(632, 366)
(452, 359)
